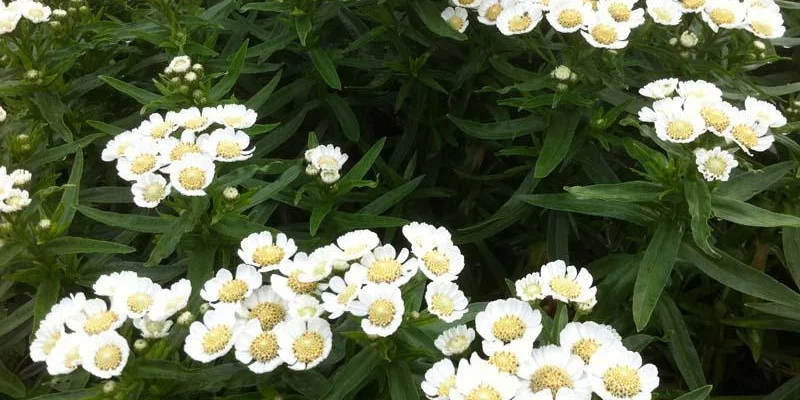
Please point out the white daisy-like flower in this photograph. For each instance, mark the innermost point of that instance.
(382, 307)
(20, 177)
(455, 340)
(174, 149)
(305, 307)
(357, 244)
(623, 12)
(385, 265)
(477, 379)
(135, 296)
(456, 17)
(258, 348)
(319, 264)
(192, 174)
(566, 283)
(226, 145)
(235, 116)
(8, 20)
(289, 286)
(65, 356)
(303, 344)
(95, 318)
(16, 200)
(158, 127)
(519, 18)
(109, 284)
(552, 372)
(227, 289)
(343, 292)
(6, 184)
(424, 237)
(659, 89)
(260, 250)
(168, 302)
(179, 64)
(150, 189)
(509, 320)
(466, 3)
(446, 301)
(664, 12)
(748, 133)
(717, 115)
(489, 10)
(214, 337)
(528, 288)
(618, 374)
(35, 12)
(3, 114)
(105, 355)
(699, 92)
(569, 15)
(726, 14)
(152, 329)
(141, 157)
(441, 264)
(764, 112)
(667, 105)
(602, 31)
(766, 5)
(66, 308)
(682, 126)
(584, 339)
(508, 357)
(116, 147)
(266, 306)
(326, 157)
(692, 6)
(46, 338)
(440, 378)
(193, 119)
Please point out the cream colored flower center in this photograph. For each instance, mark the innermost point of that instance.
(181, 149)
(264, 347)
(585, 348)
(308, 347)
(35, 13)
(679, 130)
(762, 28)
(445, 386)
(159, 131)
(73, 357)
(716, 166)
(693, 4)
(570, 18)
(192, 178)
(493, 11)
(355, 249)
(604, 34)
(550, 377)
(217, 338)
(233, 120)
(51, 342)
(565, 287)
(139, 302)
(622, 381)
(620, 12)
(381, 313)
(442, 305)
(153, 192)
(519, 23)
(456, 22)
(300, 287)
(328, 162)
(268, 255)
(228, 149)
(457, 344)
(154, 326)
(593, 3)
(722, 16)
(143, 163)
(269, 314)
(196, 123)
(505, 361)
(233, 291)
(745, 135)
(384, 271)
(715, 118)
(108, 357)
(508, 328)
(100, 322)
(662, 14)
(484, 392)
(466, 3)
(436, 262)
(347, 294)
(533, 290)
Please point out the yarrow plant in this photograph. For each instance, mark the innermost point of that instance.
(325, 161)
(762, 18)
(12, 197)
(13, 12)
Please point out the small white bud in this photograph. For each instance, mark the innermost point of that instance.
(20, 177)
(759, 45)
(329, 177)
(204, 307)
(689, 39)
(197, 67)
(686, 54)
(673, 41)
(312, 170)
(341, 265)
(308, 154)
(45, 224)
(109, 387)
(190, 76)
(561, 73)
(562, 87)
(186, 318)
(59, 13)
(230, 193)
(140, 344)
(55, 24)
(573, 77)
(32, 74)
(415, 315)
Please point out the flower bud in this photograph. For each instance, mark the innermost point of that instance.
(198, 94)
(184, 89)
(759, 45)
(688, 39)
(140, 344)
(341, 265)
(20, 177)
(109, 387)
(197, 67)
(312, 170)
(186, 318)
(329, 177)
(673, 41)
(44, 225)
(562, 87)
(561, 73)
(230, 193)
(59, 13)
(204, 307)
(31, 75)
(190, 76)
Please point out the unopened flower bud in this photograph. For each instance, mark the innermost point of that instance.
(83, 9)
(44, 225)
(230, 193)
(561, 73)
(688, 39)
(759, 45)
(184, 89)
(21, 177)
(415, 315)
(5, 228)
(109, 387)
(198, 94)
(673, 41)
(55, 24)
(174, 79)
(204, 307)
(140, 344)
(341, 265)
(311, 170)
(562, 87)
(197, 67)
(329, 177)
(186, 318)
(190, 76)
(59, 13)
(31, 74)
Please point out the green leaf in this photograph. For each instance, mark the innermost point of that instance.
(791, 252)
(416, 339)
(201, 268)
(790, 390)
(264, 93)
(53, 111)
(699, 200)
(430, 14)
(347, 118)
(303, 26)
(318, 214)
(392, 197)
(680, 343)
(655, 270)
(10, 383)
(133, 222)
(81, 394)
(324, 65)
(349, 221)
(748, 184)
(612, 209)
(557, 139)
(638, 341)
(231, 76)
(401, 384)
(46, 295)
(65, 212)
(560, 319)
(79, 245)
(169, 240)
(309, 383)
(631, 191)
(138, 94)
(776, 309)
(508, 129)
(16, 318)
(352, 374)
(59, 152)
(749, 215)
(700, 393)
(268, 191)
(364, 164)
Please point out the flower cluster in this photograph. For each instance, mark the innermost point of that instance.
(141, 153)
(81, 332)
(325, 161)
(761, 17)
(589, 357)
(183, 76)
(12, 198)
(684, 110)
(13, 12)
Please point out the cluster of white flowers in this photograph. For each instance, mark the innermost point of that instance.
(13, 12)
(684, 110)
(761, 17)
(182, 69)
(141, 153)
(81, 332)
(12, 198)
(325, 161)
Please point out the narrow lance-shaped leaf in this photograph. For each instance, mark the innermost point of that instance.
(509, 129)
(79, 245)
(557, 139)
(745, 185)
(700, 393)
(138, 94)
(699, 201)
(345, 115)
(352, 374)
(680, 343)
(747, 214)
(655, 270)
(133, 222)
(324, 66)
(629, 192)
(229, 80)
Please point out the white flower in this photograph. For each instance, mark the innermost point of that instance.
(357, 243)
(659, 89)
(622, 11)
(168, 302)
(519, 18)
(665, 12)
(699, 92)
(152, 329)
(227, 289)
(440, 378)
(305, 307)
(566, 283)
(561, 73)
(508, 320)
(35, 12)
(65, 356)
(618, 374)
(150, 189)
(20, 177)
(326, 158)
(192, 174)
(46, 338)
(344, 292)
(489, 10)
(528, 288)
(105, 355)
(212, 338)
(456, 18)
(382, 306)
(179, 64)
(109, 284)
(727, 14)
(8, 20)
(141, 157)
(3, 114)
(691, 6)
(266, 306)
(226, 145)
(66, 308)
(190, 76)
(319, 264)
(193, 120)
(424, 237)
(717, 115)
(135, 297)
(257, 348)
(552, 372)
(466, 3)
(15, 201)
(748, 133)
(234, 116)
(508, 357)
(329, 177)
(6, 184)
(385, 265)
(569, 16)
(259, 249)
(304, 344)
(116, 147)
(441, 264)
(602, 31)
(446, 301)
(455, 340)
(158, 127)
(288, 285)
(764, 112)
(584, 339)
(477, 379)
(688, 39)
(173, 149)
(95, 318)
(679, 126)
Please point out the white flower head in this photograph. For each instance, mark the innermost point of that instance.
(665, 12)
(192, 174)
(529, 288)
(357, 244)
(288, 285)
(303, 344)
(758, 5)
(602, 31)
(565, 283)
(382, 307)
(715, 164)
(214, 337)
(441, 264)
(67, 308)
(424, 237)
(765, 23)
(584, 339)
(193, 120)
(305, 307)
(726, 14)
(105, 355)
(65, 356)
(152, 329)
(94, 318)
(258, 348)
(173, 149)
(477, 379)
(440, 378)
(659, 89)
(508, 357)
(691, 6)
(46, 338)
(446, 301)
(158, 127)
(569, 16)
(748, 133)
(688, 39)
(343, 292)
(227, 289)
(326, 158)
(456, 17)
(135, 296)
(618, 374)
(260, 250)
(717, 115)
(150, 189)
(266, 306)
(519, 18)
(226, 145)
(765, 113)
(509, 320)
(179, 64)
(455, 340)
(318, 265)
(386, 265)
(489, 10)
(474, 4)
(3, 114)
(20, 177)
(116, 147)
(168, 302)
(623, 12)
(35, 12)
(680, 126)
(235, 116)
(8, 20)
(552, 372)
(16, 200)
(141, 157)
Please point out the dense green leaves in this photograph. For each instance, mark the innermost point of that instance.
(618, 210)
(352, 374)
(655, 269)
(501, 130)
(557, 139)
(134, 222)
(79, 245)
(325, 68)
(680, 343)
(750, 215)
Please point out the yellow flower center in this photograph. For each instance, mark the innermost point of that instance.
(693, 4)
(153, 192)
(493, 11)
(565, 287)
(181, 149)
(73, 357)
(143, 163)
(622, 381)
(436, 262)
(268, 255)
(233, 291)
(457, 344)
(661, 14)
(264, 347)
(308, 347)
(196, 123)
(679, 130)
(301, 287)
(745, 135)
(51, 342)
(762, 28)
(550, 377)
(381, 313)
(268, 313)
(716, 166)
(604, 34)
(715, 118)
(508, 328)
(593, 3)
(228, 149)
(585, 349)
(620, 12)
(570, 18)
(519, 23)
(233, 120)
(192, 178)
(36, 14)
(154, 326)
(722, 16)
(139, 302)
(505, 361)
(384, 271)
(466, 3)
(328, 162)
(108, 357)
(347, 294)
(533, 290)
(445, 386)
(442, 305)
(456, 22)
(160, 131)
(355, 249)
(100, 322)
(217, 338)
(484, 392)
